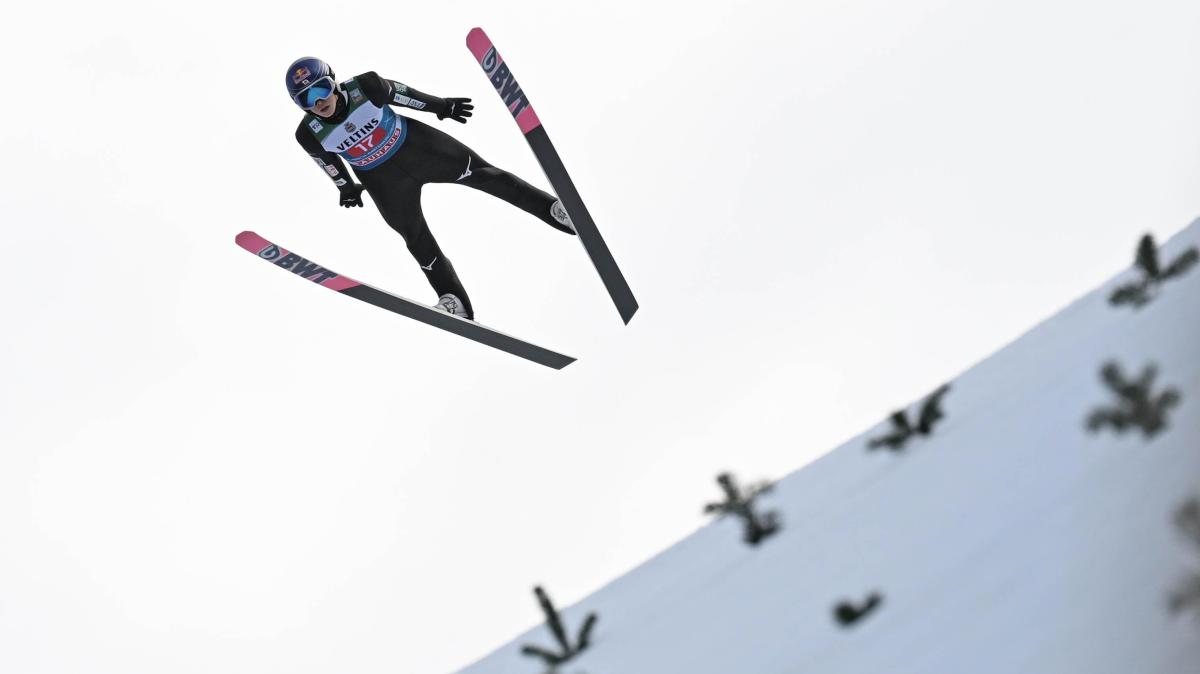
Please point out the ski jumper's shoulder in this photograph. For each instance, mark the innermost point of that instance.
(308, 133)
(375, 88)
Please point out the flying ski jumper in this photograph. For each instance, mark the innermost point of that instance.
(393, 157)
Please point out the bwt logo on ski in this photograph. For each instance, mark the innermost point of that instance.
(271, 252)
(296, 264)
(506, 85)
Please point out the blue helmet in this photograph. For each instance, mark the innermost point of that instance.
(309, 80)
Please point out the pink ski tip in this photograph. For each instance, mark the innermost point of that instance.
(478, 42)
(251, 241)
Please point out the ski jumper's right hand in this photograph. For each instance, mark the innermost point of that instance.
(351, 195)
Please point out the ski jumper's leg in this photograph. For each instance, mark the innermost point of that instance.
(399, 202)
(449, 161)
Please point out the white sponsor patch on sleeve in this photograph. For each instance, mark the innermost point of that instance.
(314, 125)
(331, 170)
(409, 102)
(339, 182)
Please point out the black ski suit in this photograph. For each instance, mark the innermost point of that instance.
(422, 154)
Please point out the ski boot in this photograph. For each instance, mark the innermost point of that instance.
(561, 217)
(450, 304)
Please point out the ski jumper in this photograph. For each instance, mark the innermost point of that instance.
(394, 157)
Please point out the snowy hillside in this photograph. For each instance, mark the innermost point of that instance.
(1010, 540)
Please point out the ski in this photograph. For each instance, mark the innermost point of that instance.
(307, 269)
(517, 103)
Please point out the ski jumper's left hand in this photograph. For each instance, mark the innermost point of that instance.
(458, 109)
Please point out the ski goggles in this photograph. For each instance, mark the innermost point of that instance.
(314, 92)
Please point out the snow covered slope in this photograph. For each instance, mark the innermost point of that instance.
(1011, 540)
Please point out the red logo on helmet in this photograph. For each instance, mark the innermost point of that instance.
(301, 76)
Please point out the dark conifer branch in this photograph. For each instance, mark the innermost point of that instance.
(928, 414)
(740, 504)
(1137, 405)
(566, 650)
(847, 614)
(1141, 291)
(1186, 596)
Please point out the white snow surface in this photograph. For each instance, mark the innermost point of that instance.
(1012, 540)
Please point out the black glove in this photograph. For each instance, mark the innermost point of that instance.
(351, 195)
(458, 109)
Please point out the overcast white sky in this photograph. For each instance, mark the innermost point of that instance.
(826, 209)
